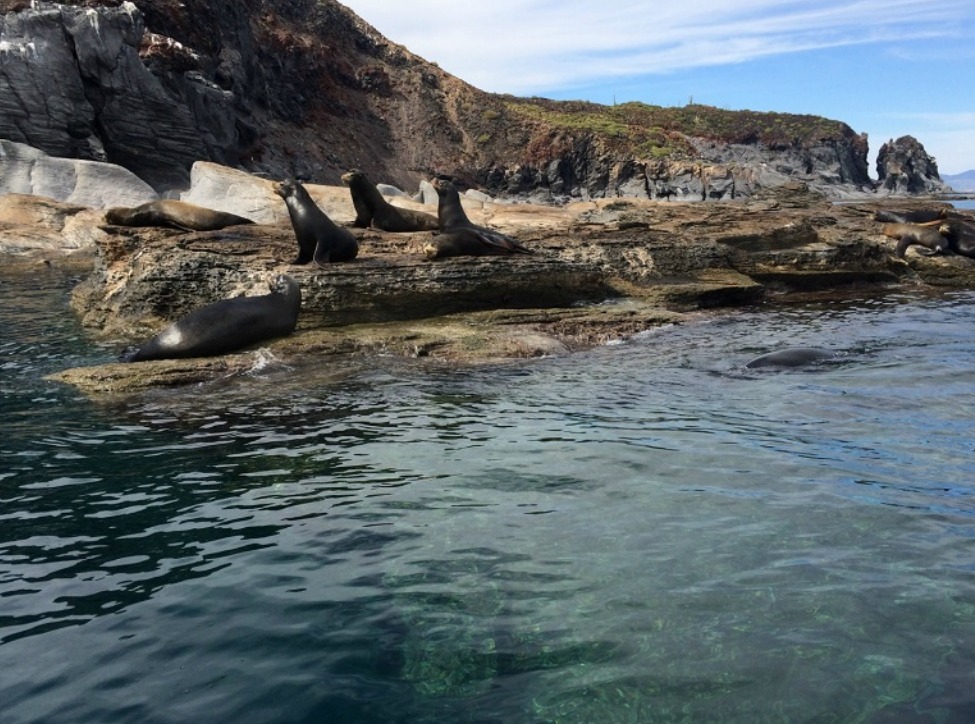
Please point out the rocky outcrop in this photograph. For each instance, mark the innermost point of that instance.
(27, 170)
(305, 88)
(33, 225)
(77, 82)
(601, 270)
(904, 167)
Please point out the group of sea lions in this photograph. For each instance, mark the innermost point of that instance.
(232, 324)
(938, 230)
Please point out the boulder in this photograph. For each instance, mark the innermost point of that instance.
(28, 170)
(36, 224)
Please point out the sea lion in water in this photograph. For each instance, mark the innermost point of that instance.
(319, 238)
(791, 357)
(372, 208)
(910, 234)
(459, 236)
(175, 214)
(227, 325)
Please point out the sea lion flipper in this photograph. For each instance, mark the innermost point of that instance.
(502, 241)
(322, 256)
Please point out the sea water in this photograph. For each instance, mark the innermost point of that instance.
(643, 532)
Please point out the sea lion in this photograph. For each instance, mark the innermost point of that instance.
(471, 241)
(960, 235)
(917, 216)
(319, 238)
(910, 234)
(791, 357)
(450, 212)
(372, 208)
(227, 325)
(459, 236)
(172, 213)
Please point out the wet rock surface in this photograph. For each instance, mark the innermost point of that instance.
(602, 271)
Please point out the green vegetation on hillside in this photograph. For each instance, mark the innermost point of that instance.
(660, 131)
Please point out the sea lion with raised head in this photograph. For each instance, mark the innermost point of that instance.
(227, 325)
(908, 235)
(459, 236)
(791, 357)
(175, 214)
(373, 209)
(319, 238)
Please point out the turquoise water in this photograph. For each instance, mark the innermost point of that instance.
(639, 533)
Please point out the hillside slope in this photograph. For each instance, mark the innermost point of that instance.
(306, 88)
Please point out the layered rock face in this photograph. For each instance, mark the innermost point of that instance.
(903, 166)
(73, 84)
(305, 88)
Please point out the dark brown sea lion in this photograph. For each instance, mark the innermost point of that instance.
(175, 214)
(791, 357)
(319, 238)
(472, 241)
(911, 234)
(916, 216)
(372, 208)
(227, 325)
(459, 236)
(450, 212)
(960, 234)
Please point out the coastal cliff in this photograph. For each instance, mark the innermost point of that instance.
(306, 88)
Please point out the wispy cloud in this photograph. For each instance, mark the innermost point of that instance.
(538, 46)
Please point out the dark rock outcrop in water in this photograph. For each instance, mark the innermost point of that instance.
(305, 88)
(903, 166)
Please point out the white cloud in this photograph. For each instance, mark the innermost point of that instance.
(536, 46)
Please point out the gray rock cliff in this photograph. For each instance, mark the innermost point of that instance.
(73, 84)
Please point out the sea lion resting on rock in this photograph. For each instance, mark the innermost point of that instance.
(917, 216)
(372, 208)
(173, 213)
(791, 357)
(459, 236)
(319, 238)
(960, 235)
(227, 325)
(910, 234)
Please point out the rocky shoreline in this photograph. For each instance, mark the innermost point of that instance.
(602, 270)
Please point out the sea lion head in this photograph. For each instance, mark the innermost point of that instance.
(431, 250)
(283, 284)
(353, 174)
(115, 215)
(286, 188)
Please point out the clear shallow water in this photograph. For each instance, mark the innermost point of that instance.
(639, 533)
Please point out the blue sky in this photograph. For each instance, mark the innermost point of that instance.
(885, 67)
